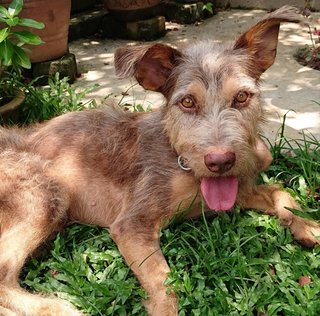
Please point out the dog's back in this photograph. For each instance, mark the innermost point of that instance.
(106, 159)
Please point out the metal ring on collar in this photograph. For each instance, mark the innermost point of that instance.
(182, 164)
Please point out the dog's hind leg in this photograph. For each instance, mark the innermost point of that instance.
(16, 244)
(32, 207)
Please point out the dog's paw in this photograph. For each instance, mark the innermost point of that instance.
(58, 307)
(305, 231)
(162, 304)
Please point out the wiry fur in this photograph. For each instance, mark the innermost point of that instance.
(119, 170)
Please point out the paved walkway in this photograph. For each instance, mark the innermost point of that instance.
(287, 85)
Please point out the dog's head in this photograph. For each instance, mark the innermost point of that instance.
(214, 108)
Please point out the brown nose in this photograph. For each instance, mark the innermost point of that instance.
(220, 162)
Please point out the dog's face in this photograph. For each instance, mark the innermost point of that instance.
(214, 107)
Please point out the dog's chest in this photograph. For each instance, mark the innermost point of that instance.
(185, 195)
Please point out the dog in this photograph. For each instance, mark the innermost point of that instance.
(133, 172)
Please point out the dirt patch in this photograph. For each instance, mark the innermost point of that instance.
(308, 56)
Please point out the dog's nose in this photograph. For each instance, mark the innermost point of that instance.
(220, 162)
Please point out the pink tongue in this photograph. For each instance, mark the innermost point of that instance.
(220, 193)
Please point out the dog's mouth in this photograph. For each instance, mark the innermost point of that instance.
(220, 193)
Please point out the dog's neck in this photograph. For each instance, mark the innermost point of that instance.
(153, 136)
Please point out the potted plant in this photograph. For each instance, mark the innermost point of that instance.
(13, 55)
(55, 15)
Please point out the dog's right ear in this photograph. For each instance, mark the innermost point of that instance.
(150, 65)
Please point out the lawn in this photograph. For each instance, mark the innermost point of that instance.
(236, 263)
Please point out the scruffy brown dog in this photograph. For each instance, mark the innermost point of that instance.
(132, 172)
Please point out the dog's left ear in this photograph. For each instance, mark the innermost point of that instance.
(260, 41)
(150, 65)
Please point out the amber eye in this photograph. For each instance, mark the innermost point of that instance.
(187, 102)
(241, 97)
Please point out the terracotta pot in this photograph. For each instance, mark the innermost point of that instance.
(10, 112)
(132, 10)
(55, 14)
(82, 5)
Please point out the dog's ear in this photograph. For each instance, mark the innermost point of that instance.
(150, 65)
(260, 41)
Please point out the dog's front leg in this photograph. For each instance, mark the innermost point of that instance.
(138, 242)
(272, 200)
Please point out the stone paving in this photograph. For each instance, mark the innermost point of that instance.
(288, 87)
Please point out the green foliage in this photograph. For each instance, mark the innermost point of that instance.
(12, 52)
(59, 97)
(208, 7)
(308, 56)
(297, 166)
(44, 102)
(236, 263)
(241, 264)
(7, 91)
(86, 268)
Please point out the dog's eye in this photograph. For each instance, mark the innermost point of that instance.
(241, 99)
(241, 96)
(187, 102)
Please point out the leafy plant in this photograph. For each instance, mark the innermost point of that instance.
(208, 7)
(12, 41)
(297, 166)
(43, 103)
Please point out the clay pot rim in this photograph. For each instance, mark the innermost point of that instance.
(14, 103)
(140, 5)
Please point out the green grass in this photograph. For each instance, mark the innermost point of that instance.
(237, 263)
(42, 103)
(58, 97)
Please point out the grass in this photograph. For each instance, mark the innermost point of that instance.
(44, 103)
(58, 97)
(238, 263)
